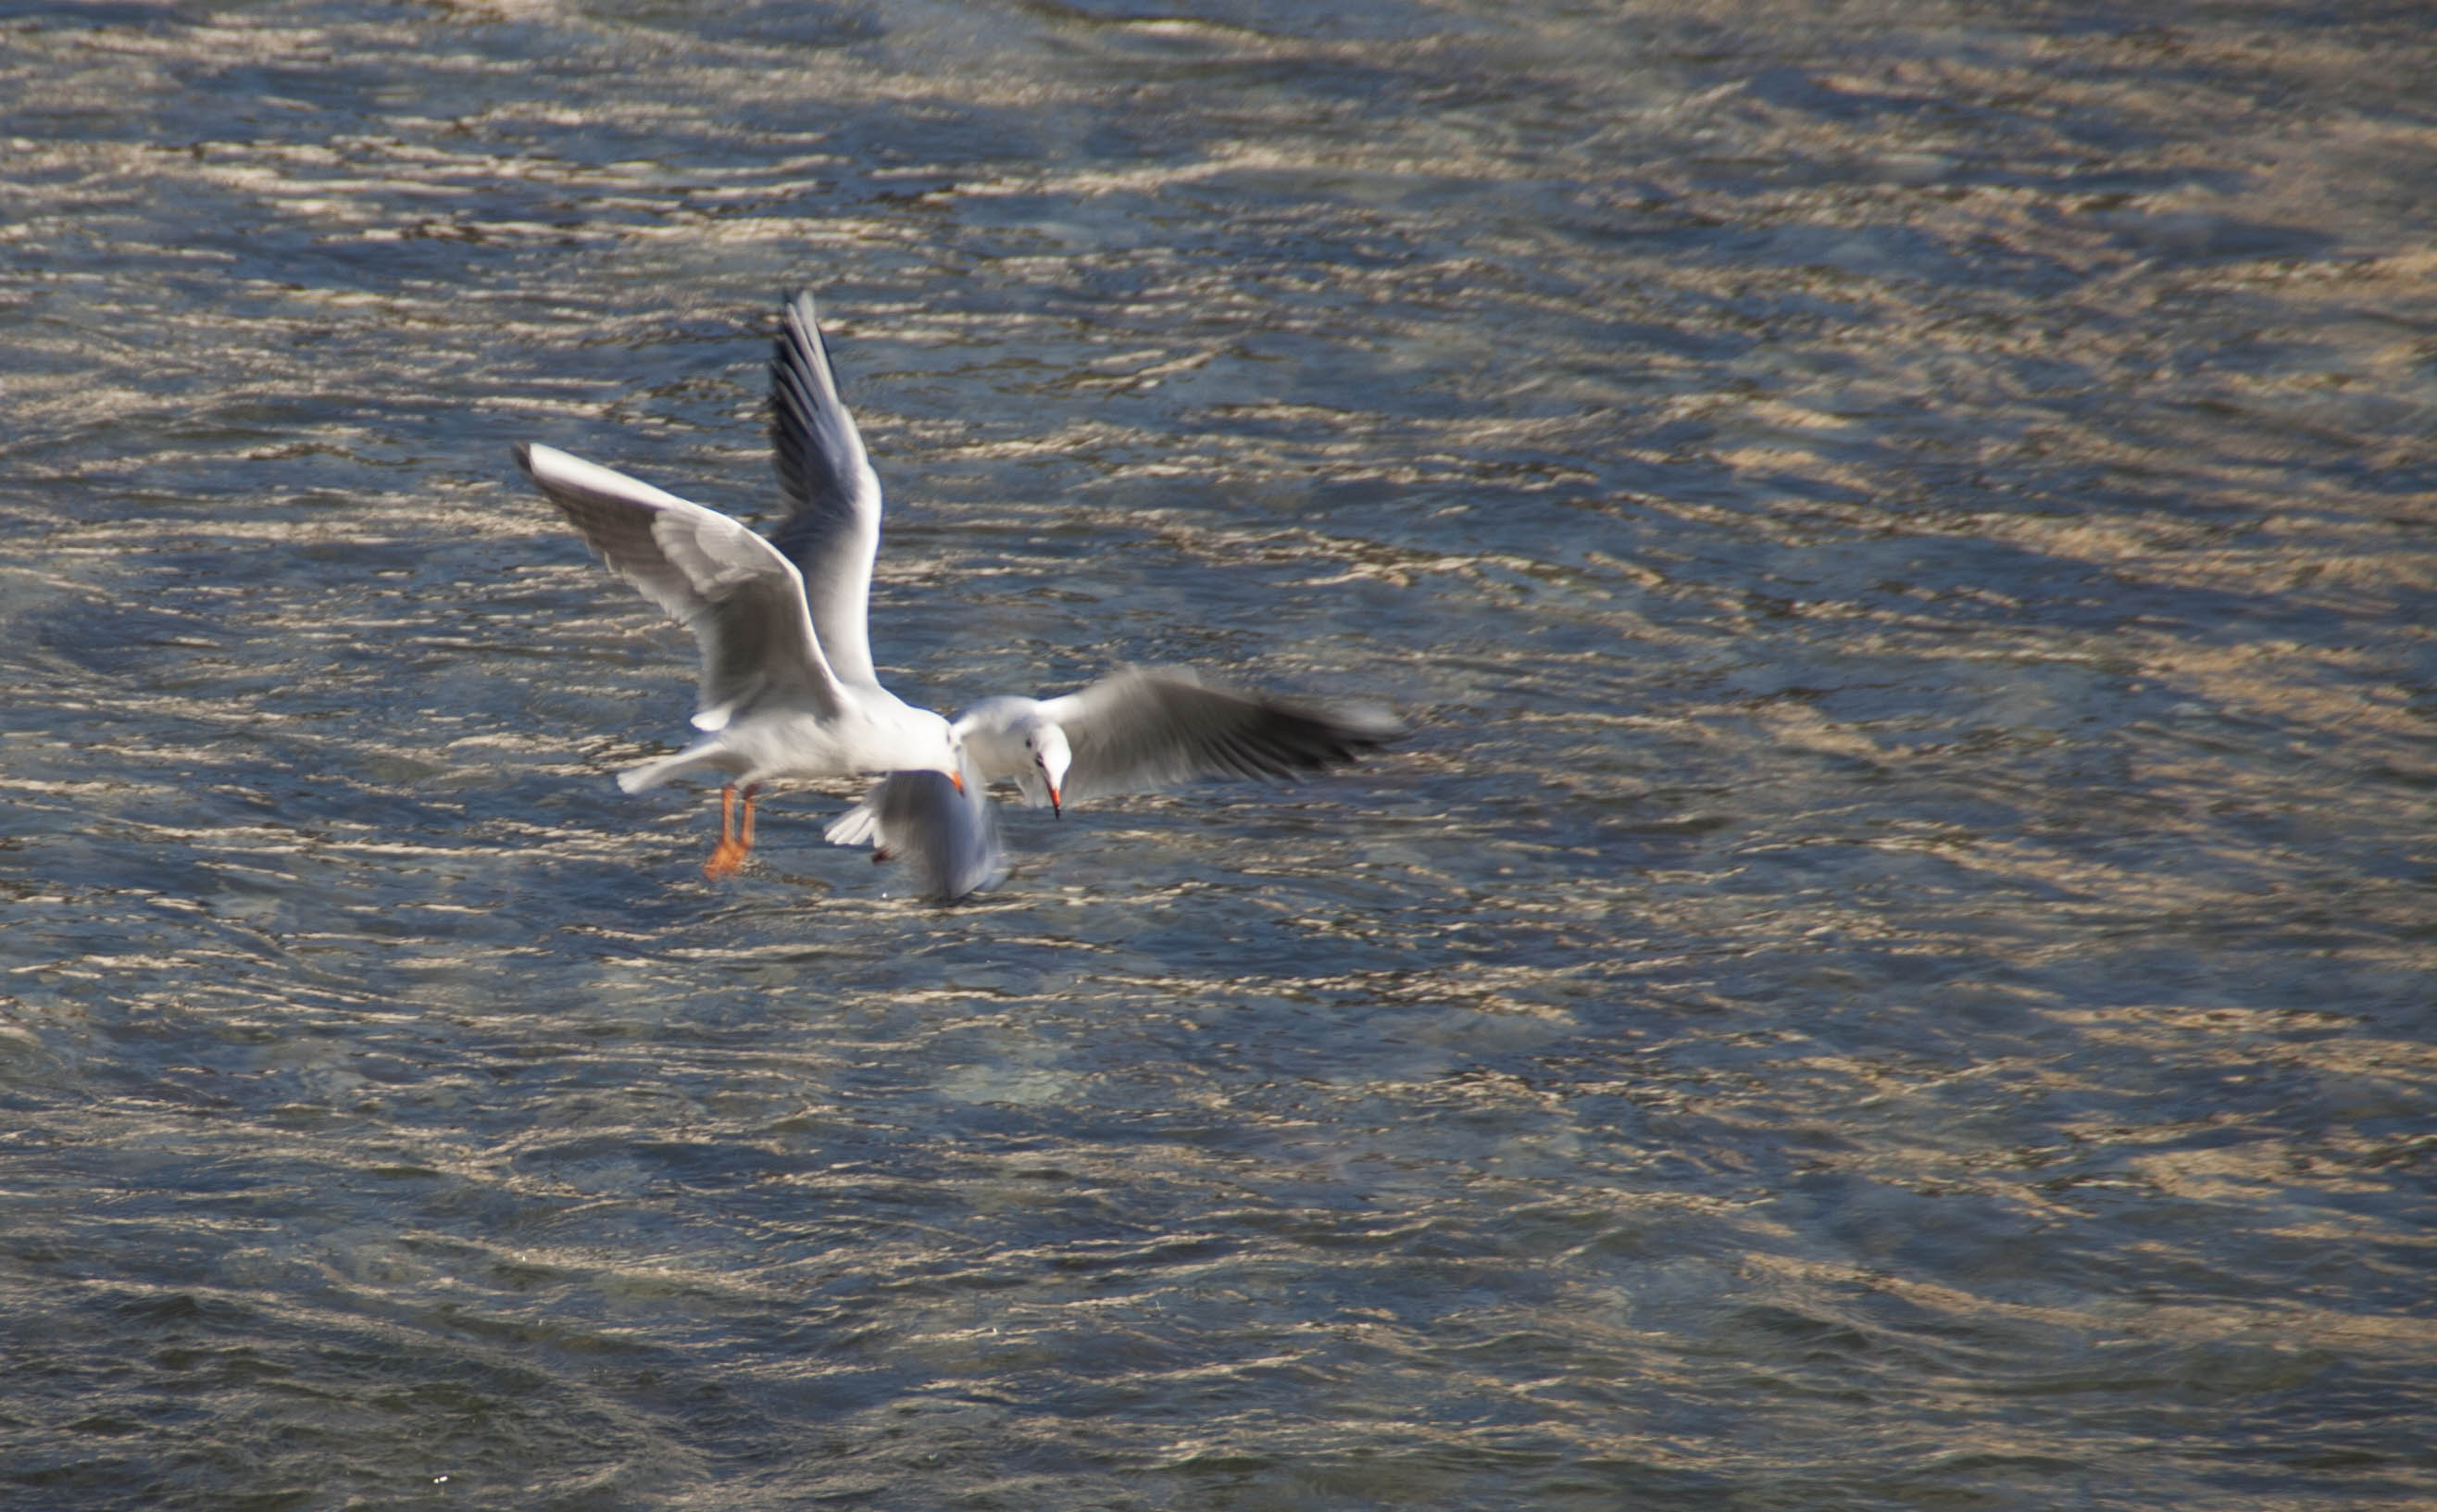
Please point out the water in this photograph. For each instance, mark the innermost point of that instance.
(1893, 971)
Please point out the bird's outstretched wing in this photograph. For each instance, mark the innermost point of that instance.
(743, 601)
(1143, 728)
(833, 533)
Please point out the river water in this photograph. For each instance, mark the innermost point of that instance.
(1893, 969)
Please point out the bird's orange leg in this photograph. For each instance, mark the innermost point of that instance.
(735, 840)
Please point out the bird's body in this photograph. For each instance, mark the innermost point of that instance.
(783, 744)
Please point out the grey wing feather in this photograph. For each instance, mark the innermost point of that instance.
(833, 533)
(950, 838)
(741, 599)
(1142, 728)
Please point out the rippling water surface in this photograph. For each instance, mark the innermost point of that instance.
(1894, 968)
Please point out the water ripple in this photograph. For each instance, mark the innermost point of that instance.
(1891, 967)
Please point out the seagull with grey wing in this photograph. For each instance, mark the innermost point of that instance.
(788, 689)
(1144, 728)
(1134, 729)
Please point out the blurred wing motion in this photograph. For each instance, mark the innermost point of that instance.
(950, 836)
(1144, 728)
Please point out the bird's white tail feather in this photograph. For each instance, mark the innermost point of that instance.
(859, 825)
(652, 774)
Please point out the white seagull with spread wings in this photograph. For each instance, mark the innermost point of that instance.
(788, 689)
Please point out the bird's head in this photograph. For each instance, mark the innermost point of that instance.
(1045, 744)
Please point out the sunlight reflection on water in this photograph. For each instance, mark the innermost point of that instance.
(1892, 967)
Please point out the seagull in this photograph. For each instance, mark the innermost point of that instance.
(788, 689)
(1134, 728)
(1144, 728)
